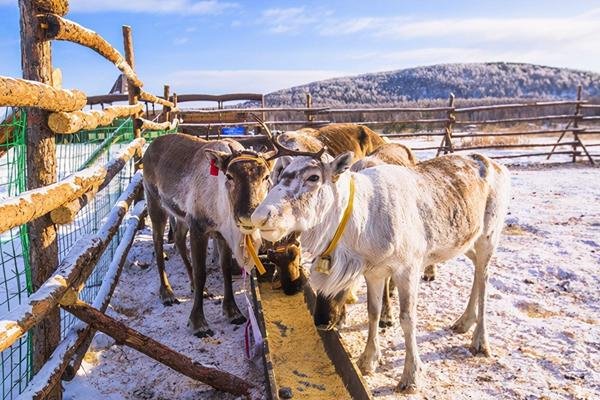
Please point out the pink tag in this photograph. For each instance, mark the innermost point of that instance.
(214, 171)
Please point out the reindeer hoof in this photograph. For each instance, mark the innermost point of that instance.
(386, 323)
(480, 348)
(168, 297)
(407, 388)
(202, 333)
(428, 278)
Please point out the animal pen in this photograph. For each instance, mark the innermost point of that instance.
(72, 195)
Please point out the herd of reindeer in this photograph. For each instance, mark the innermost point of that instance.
(341, 199)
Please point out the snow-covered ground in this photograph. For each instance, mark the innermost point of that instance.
(544, 305)
(118, 372)
(544, 313)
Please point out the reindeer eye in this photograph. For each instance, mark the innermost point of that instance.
(229, 177)
(313, 178)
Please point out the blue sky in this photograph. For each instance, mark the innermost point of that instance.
(223, 46)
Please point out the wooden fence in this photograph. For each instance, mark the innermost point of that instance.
(485, 128)
(51, 111)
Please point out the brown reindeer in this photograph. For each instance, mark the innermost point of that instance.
(179, 183)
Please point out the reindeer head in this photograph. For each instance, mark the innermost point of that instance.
(304, 192)
(247, 181)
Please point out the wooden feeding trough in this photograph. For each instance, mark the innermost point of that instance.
(299, 360)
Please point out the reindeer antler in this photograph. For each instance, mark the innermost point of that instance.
(281, 149)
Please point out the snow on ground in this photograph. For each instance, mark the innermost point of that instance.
(544, 309)
(543, 321)
(118, 372)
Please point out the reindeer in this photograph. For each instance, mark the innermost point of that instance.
(178, 183)
(334, 139)
(399, 221)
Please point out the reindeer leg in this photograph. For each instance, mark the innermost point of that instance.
(198, 242)
(484, 251)
(387, 318)
(407, 297)
(171, 232)
(158, 217)
(370, 357)
(468, 318)
(230, 308)
(181, 231)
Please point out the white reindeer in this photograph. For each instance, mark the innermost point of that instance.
(402, 220)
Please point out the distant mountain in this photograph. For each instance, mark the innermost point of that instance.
(467, 81)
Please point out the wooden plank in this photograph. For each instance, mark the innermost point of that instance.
(220, 98)
(59, 28)
(511, 120)
(79, 337)
(122, 334)
(28, 93)
(534, 104)
(107, 98)
(72, 122)
(73, 271)
(345, 367)
(144, 124)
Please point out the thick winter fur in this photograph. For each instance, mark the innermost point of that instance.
(388, 153)
(178, 184)
(403, 220)
(338, 138)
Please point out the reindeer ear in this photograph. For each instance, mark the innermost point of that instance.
(280, 165)
(340, 164)
(220, 158)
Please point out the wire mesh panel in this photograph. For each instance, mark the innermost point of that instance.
(15, 277)
(74, 153)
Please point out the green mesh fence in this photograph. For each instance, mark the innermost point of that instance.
(15, 277)
(73, 152)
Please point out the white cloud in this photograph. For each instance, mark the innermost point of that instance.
(153, 6)
(469, 29)
(231, 81)
(291, 20)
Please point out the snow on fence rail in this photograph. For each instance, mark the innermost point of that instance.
(34, 214)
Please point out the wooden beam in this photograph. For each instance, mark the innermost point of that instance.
(122, 334)
(67, 212)
(36, 64)
(72, 272)
(67, 123)
(60, 7)
(79, 337)
(107, 98)
(145, 96)
(59, 28)
(29, 93)
(145, 124)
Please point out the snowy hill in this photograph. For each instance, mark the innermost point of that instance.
(467, 81)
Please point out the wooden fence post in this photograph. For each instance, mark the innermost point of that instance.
(36, 62)
(446, 144)
(166, 110)
(132, 90)
(576, 123)
(309, 116)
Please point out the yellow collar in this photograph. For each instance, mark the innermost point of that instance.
(252, 251)
(324, 261)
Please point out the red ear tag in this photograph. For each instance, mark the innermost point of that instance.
(214, 171)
